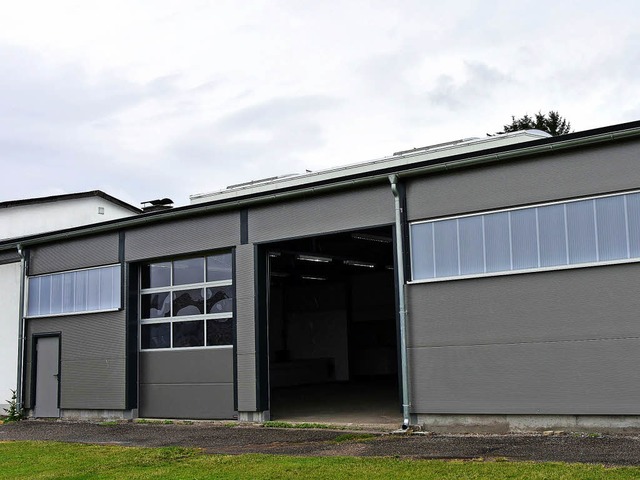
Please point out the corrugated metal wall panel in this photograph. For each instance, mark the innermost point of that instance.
(545, 178)
(517, 335)
(346, 210)
(93, 359)
(245, 302)
(247, 383)
(81, 253)
(578, 304)
(183, 236)
(598, 377)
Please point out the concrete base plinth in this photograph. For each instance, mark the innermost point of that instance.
(260, 417)
(98, 415)
(527, 423)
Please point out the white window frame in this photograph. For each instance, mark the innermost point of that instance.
(567, 266)
(170, 289)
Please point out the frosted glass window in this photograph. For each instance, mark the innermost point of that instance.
(93, 290)
(471, 245)
(612, 228)
(633, 220)
(56, 294)
(422, 250)
(45, 295)
(581, 232)
(82, 282)
(34, 296)
(497, 244)
(600, 229)
(75, 292)
(552, 235)
(445, 236)
(524, 238)
(106, 288)
(69, 291)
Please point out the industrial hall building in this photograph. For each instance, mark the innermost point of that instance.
(484, 283)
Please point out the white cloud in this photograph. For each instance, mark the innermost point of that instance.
(166, 98)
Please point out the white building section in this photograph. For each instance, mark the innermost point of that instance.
(9, 312)
(31, 216)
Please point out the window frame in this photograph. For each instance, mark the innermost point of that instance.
(79, 312)
(567, 266)
(172, 288)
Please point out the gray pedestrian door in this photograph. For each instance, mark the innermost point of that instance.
(47, 377)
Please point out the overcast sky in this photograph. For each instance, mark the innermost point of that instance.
(150, 99)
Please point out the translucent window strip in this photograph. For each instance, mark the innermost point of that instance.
(590, 231)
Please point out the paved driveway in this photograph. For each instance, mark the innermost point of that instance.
(220, 438)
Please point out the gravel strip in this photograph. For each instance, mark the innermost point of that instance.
(221, 438)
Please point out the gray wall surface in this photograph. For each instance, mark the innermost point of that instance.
(553, 177)
(81, 253)
(92, 374)
(338, 211)
(187, 383)
(560, 342)
(183, 236)
(245, 328)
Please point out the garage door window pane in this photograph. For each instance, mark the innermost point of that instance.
(188, 271)
(219, 299)
(219, 267)
(188, 302)
(188, 334)
(220, 331)
(155, 335)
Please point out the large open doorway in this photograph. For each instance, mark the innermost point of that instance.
(332, 330)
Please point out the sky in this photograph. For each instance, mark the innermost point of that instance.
(159, 98)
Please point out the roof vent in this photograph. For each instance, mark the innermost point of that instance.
(157, 205)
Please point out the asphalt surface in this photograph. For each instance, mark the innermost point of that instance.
(221, 438)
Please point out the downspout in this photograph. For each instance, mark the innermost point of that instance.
(404, 363)
(21, 330)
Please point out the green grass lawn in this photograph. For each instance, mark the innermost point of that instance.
(39, 460)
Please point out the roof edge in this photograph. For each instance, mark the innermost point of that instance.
(69, 196)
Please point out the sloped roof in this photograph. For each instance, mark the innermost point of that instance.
(68, 196)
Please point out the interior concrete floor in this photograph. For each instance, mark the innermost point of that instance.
(362, 402)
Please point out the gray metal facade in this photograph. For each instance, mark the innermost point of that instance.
(555, 342)
(551, 177)
(346, 210)
(92, 351)
(245, 328)
(180, 237)
(74, 254)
